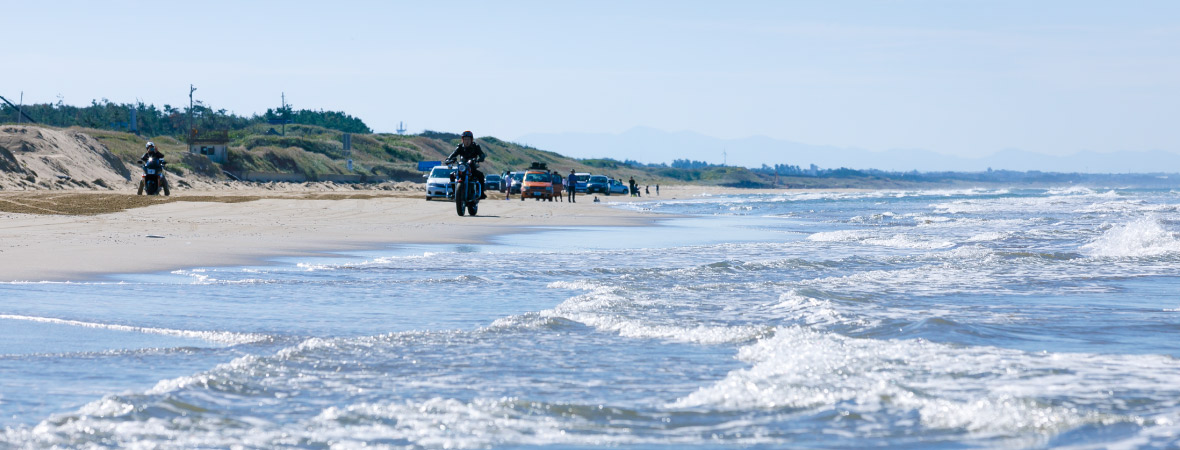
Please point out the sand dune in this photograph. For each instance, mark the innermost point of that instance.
(44, 158)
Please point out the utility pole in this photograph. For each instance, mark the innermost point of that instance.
(284, 112)
(191, 89)
(20, 110)
(348, 149)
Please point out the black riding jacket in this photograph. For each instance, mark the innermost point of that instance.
(473, 151)
(153, 152)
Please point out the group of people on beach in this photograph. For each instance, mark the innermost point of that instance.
(569, 185)
(633, 188)
(559, 184)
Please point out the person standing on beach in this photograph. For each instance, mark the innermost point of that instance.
(557, 185)
(647, 190)
(508, 192)
(657, 190)
(572, 185)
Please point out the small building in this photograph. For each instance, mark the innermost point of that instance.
(211, 143)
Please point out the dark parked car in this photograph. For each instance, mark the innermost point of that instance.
(493, 183)
(597, 183)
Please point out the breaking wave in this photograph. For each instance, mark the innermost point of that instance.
(1142, 237)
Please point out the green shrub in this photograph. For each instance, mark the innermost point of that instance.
(330, 149)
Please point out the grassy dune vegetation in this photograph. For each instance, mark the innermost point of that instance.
(313, 145)
(314, 151)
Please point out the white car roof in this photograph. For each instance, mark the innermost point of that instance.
(447, 172)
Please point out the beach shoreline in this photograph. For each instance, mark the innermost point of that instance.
(246, 227)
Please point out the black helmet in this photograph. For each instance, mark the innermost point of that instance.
(468, 134)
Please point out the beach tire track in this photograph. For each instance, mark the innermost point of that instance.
(25, 208)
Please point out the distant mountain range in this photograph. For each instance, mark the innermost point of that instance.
(648, 145)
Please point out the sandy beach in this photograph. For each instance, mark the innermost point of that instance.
(84, 235)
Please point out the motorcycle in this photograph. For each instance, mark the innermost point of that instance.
(464, 189)
(153, 177)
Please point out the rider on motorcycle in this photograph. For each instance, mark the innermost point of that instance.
(153, 152)
(469, 150)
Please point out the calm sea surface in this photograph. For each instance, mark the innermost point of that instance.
(915, 319)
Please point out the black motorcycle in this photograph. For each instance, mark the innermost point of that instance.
(464, 188)
(153, 177)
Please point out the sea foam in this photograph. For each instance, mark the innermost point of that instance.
(986, 390)
(906, 241)
(1142, 237)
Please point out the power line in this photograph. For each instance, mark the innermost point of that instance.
(19, 110)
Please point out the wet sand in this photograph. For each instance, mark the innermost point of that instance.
(80, 235)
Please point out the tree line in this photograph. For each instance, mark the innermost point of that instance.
(172, 121)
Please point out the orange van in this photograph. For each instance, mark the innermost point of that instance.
(537, 184)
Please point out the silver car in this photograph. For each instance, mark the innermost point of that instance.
(617, 187)
(438, 182)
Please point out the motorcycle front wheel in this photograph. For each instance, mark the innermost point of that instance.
(460, 198)
(473, 204)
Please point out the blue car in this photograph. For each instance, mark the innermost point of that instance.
(582, 178)
(493, 183)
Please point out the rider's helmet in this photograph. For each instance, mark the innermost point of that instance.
(150, 145)
(468, 134)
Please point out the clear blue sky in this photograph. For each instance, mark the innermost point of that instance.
(960, 77)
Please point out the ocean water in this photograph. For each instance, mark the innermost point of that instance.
(977, 318)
